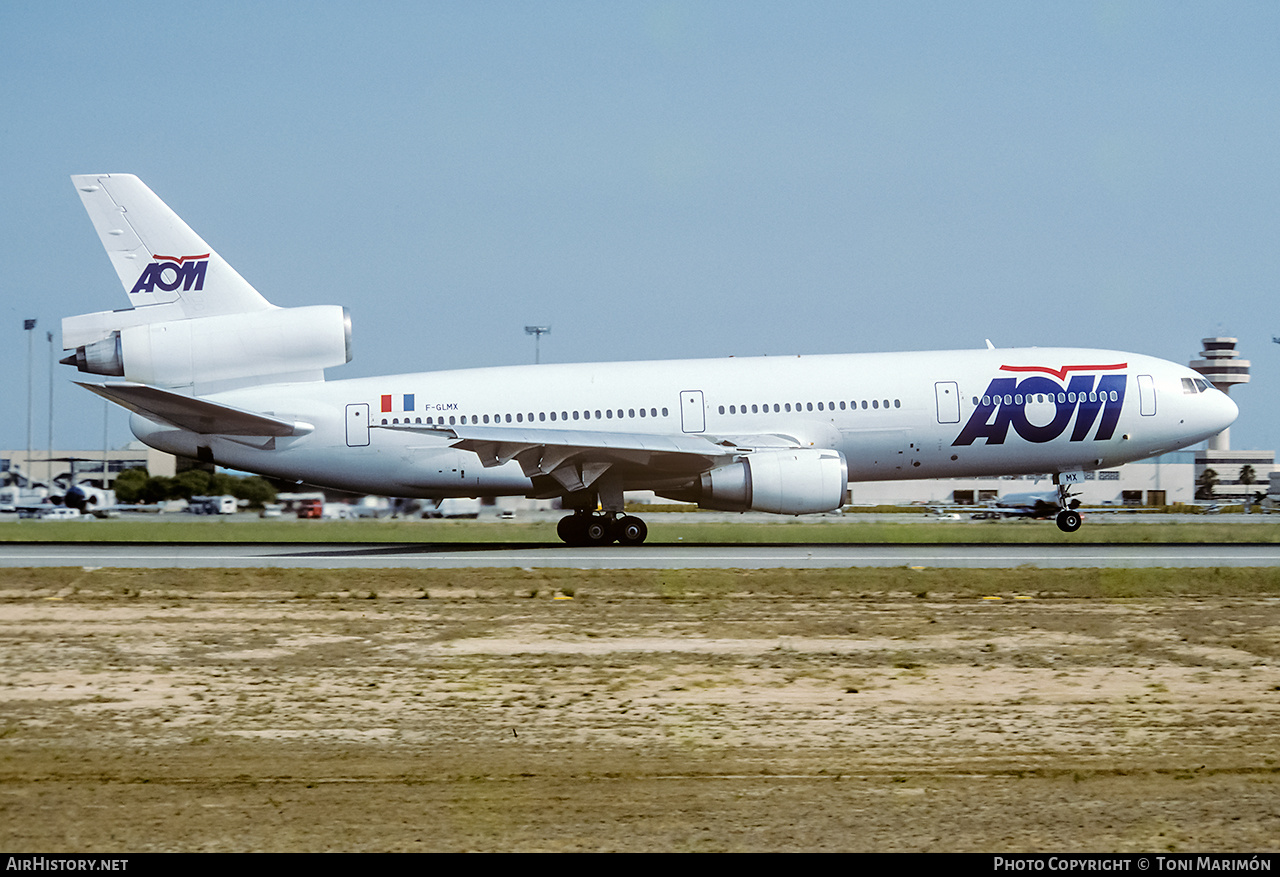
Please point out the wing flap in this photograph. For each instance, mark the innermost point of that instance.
(197, 415)
(577, 458)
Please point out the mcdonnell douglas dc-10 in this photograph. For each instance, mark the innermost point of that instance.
(213, 371)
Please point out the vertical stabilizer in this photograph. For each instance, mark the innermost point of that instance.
(196, 326)
(157, 256)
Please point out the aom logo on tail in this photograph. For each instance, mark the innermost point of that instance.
(170, 272)
(1040, 408)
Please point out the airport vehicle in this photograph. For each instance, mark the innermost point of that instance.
(310, 509)
(213, 371)
(212, 505)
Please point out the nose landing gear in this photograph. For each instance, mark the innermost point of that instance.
(1068, 519)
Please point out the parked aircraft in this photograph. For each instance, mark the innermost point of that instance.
(38, 500)
(1041, 506)
(213, 371)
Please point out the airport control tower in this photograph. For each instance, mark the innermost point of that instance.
(1222, 367)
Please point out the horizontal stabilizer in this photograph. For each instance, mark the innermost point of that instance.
(197, 415)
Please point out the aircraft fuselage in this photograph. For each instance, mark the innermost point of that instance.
(892, 415)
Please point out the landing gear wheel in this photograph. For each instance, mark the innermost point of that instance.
(599, 530)
(631, 530)
(1069, 521)
(572, 529)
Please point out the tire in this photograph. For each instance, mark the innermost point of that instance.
(599, 530)
(1069, 521)
(631, 531)
(572, 530)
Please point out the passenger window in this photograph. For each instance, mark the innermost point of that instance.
(875, 403)
(519, 418)
(664, 412)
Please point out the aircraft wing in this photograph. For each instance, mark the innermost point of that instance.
(197, 415)
(577, 458)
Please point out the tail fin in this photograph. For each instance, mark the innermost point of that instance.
(157, 256)
(195, 325)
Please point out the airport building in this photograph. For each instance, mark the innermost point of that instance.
(86, 465)
(1164, 480)
(1235, 475)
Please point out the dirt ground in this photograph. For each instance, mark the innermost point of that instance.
(136, 718)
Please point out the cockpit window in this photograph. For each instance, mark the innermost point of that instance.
(1202, 384)
(1189, 386)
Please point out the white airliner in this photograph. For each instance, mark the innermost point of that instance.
(213, 371)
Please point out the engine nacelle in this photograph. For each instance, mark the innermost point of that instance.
(280, 343)
(791, 482)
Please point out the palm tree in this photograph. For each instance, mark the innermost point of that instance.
(1205, 484)
(1247, 475)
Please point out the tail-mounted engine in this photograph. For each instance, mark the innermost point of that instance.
(262, 346)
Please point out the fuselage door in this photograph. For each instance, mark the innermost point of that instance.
(948, 395)
(693, 415)
(1147, 395)
(358, 425)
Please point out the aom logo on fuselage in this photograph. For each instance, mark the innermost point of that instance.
(1040, 408)
(170, 272)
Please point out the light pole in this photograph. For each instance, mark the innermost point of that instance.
(537, 332)
(28, 326)
(49, 449)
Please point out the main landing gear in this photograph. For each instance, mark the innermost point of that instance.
(601, 528)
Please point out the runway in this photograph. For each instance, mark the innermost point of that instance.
(660, 556)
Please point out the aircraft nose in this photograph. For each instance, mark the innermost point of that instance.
(1224, 413)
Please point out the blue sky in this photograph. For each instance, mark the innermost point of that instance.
(664, 179)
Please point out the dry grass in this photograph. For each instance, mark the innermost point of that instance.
(685, 710)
